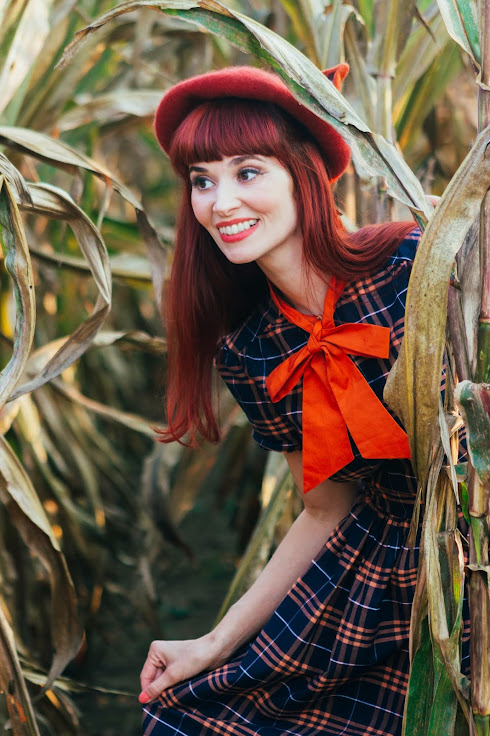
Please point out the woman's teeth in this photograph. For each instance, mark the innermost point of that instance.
(237, 228)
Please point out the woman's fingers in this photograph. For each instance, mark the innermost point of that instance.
(433, 199)
(155, 665)
(162, 668)
(170, 662)
(156, 688)
(149, 674)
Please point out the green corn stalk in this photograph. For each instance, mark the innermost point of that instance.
(391, 21)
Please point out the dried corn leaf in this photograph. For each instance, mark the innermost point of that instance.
(413, 386)
(131, 421)
(27, 514)
(445, 567)
(56, 203)
(71, 686)
(61, 155)
(469, 295)
(10, 11)
(135, 339)
(14, 176)
(362, 82)
(12, 683)
(128, 7)
(392, 25)
(18, 265)
(460, 17)
(412, 111)
(418, 54)
(110, 107)
(8, 414)
(331, 29)
(305, 26)
(125, 266)
(442, 594)
(28, 41)
(36, 442)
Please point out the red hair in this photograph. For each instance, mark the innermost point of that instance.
(208, 296)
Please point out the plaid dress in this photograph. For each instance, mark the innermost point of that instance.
(333, 658)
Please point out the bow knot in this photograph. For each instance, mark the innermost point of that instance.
(316, 340)
(337, 399)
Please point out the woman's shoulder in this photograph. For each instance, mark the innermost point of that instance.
(380, 296)
(251, 330)
(263, 334)
(406, 249)
(394, 272)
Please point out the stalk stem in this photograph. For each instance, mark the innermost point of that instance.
(483, 121)
(385, 127)
(479, 589)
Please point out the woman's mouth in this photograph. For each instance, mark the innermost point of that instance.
(237, 230)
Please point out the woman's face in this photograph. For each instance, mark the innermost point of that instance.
(247, 205)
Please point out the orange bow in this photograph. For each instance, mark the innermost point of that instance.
(336, 396)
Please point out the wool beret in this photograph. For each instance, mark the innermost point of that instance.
(252, 84)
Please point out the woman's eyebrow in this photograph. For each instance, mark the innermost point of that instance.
(235, 161)
(240, 159)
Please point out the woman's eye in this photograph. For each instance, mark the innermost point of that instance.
(201, 183)
(248, 174)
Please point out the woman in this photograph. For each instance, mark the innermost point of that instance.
(303, 322)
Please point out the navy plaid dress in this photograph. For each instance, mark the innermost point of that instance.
(333, 658)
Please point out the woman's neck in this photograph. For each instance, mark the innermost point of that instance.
(305, 289)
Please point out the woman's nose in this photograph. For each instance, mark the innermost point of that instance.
(226, 200)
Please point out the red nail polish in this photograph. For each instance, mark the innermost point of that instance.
(144, 697)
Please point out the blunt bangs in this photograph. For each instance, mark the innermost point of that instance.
(232, 126)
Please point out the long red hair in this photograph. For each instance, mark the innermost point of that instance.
(208, 296)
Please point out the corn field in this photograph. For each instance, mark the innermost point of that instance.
(93, 511)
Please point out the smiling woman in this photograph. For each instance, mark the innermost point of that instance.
(303, 321)
(248, 200)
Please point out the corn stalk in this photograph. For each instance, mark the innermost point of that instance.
(474, 401)
(483, 364)
(392, 22)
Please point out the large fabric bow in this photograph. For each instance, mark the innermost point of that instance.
(336, 396)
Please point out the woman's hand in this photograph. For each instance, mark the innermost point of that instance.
(169, 662)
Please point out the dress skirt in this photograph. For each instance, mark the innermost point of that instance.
(333, 658)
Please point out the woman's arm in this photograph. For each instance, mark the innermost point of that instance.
(324, 507)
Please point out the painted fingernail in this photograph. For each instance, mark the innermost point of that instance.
(144, 697)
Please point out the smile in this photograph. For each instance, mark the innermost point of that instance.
(237, 227)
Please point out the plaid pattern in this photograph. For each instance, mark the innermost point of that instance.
(333, 658)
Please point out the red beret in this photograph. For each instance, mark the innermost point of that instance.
(252, 84)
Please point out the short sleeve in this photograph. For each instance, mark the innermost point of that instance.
(272, 430)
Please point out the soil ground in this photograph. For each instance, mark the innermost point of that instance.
(189, 597)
